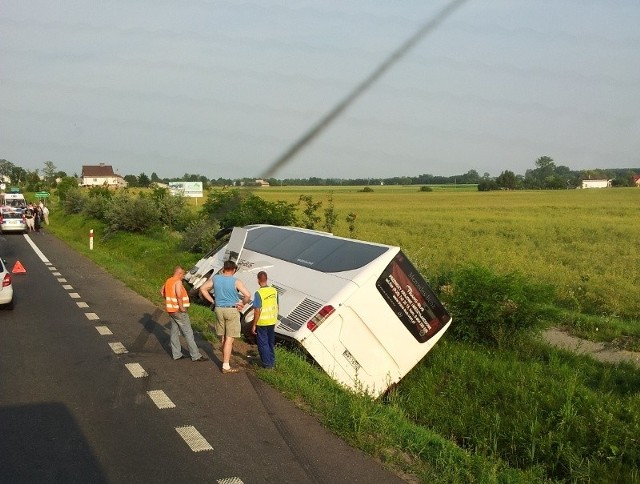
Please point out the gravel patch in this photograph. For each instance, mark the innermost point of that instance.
(600, 351)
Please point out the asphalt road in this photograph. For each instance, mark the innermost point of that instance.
(89, 392)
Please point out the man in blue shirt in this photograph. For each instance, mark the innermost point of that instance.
(230, 296)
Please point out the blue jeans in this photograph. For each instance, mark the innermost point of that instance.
(180, 322)
(266, 341)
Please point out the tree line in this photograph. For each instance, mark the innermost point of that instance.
(545, 175)
(549, 176)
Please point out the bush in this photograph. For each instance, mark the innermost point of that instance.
(172, 209)
(95, 207)
(426, 189)
(310, 218)
(66, 184)
(74, 201)
(367, 189)
(330, 215)
(487, 186)
(199, 237)
(131, 214)
(492, 309)
(221, 203)
(233, 209)
(103, 192)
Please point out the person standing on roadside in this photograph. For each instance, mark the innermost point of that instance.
(28, 215)
(265, 317)
(227, 290)
(45, 214)
(37, 218)
(177, 303)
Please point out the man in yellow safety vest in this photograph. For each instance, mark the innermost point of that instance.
(265, 317)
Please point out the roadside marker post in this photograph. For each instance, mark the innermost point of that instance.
(91, 239)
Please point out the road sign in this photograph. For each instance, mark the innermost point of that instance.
(14, 189)
(42, 194)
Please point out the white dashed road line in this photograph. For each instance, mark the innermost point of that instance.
(67, 287)
(136, 370)
(230, 480)
(118, 348)
(161, 399)
(189, 434)
(193, 438)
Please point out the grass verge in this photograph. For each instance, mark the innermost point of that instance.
(464, 414)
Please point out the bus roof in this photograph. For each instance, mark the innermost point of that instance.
(315, 250)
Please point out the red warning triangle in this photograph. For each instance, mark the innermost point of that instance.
(18, 268)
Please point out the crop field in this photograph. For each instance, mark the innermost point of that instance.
(586, 243)
(467, 412)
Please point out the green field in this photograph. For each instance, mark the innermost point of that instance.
(469, 413)
(584, 242)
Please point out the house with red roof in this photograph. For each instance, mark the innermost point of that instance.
(101, 175)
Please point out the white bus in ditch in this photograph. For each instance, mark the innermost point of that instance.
(360, 309)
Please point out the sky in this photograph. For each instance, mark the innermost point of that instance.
(225, 88)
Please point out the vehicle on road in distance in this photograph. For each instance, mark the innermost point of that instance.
(15, 200)
(360, 309)
(6, 291)
(12, 220)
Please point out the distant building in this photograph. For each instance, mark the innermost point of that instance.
(636, 180)
(262, 183)
(101, 175)
(595, 184)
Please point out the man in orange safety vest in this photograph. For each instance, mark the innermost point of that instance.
(176, 304)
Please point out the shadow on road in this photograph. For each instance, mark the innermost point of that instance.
(43, 443)
(151, 326)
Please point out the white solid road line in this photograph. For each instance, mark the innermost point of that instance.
(38, 252)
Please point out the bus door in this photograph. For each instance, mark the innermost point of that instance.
(236, 244)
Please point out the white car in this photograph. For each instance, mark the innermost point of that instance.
(6, 291)
(12, 220)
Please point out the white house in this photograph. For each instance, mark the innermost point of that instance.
(101, 175)
(596, 183)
